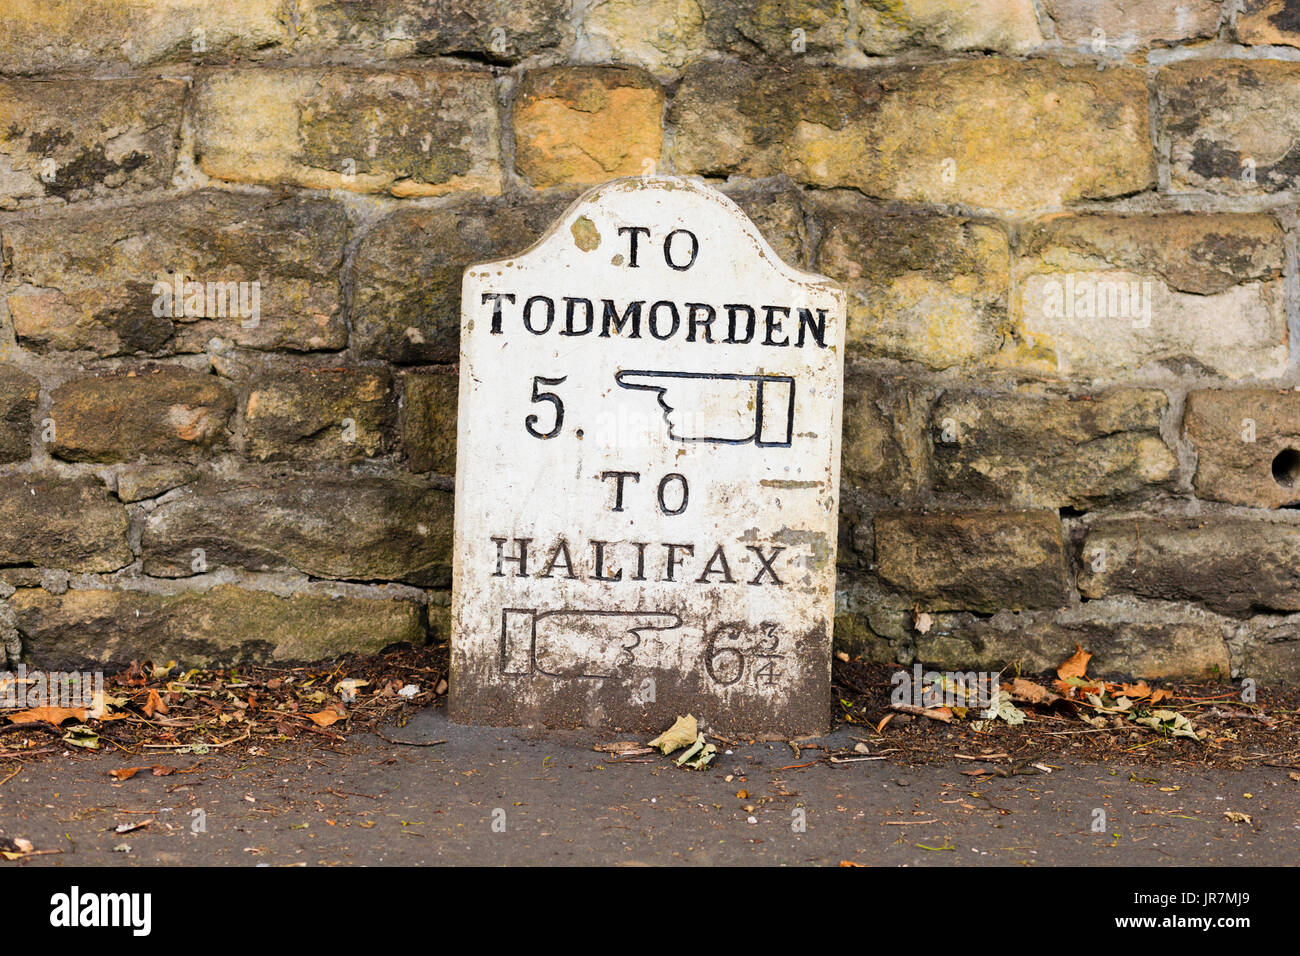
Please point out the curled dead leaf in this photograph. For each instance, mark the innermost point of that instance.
(1076, 665)
(681, 734)
(154, 705)
(51, 715)
(1028, 692)
(943, 714)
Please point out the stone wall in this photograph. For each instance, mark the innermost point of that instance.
(1066, 227)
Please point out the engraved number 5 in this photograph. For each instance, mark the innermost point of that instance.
(538, 396)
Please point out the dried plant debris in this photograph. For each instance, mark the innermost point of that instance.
(684, 733)
(154, 709)
(925, 716)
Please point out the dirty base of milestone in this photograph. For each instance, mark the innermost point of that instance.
(623, 705)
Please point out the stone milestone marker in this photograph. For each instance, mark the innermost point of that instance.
(647, 473)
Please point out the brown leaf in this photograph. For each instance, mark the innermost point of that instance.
(51, 715)
(934, 713)
(154, 705)
(324, 718)
(126, 773)
(1132, 691)
(881, 726)
(1028, 692)
(1162, 694)
(1076, 665)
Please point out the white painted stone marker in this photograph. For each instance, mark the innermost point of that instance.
(647, 473)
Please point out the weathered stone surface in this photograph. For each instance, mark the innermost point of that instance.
(1270, 653)
(1108, 295)
(42, 35)
(923, 133)
(665, 35)
(1231, 125)
(973, 560)
(584, 125)
(1127, 638)
(110, 281)
(406, 306)
(660, 35)
(1044, 450)
(429, 421)
(72, 139)
(498, 30)
(355, 527)
(11, 642)
(879, 625)
(19, 577)
(1203, 254)
(1230, 564)
(1268, 22)
(776, 29)
(408, 133)
(69, 523)
(1120, 26)
(854, 636)
(321, 414)
(1003, 26)
(707, 570)
(138, 482)
(18, 392)
(1247, 444)
(779, 214)
(221, 625)
(922, 287)
(149, 411)
(883, 447)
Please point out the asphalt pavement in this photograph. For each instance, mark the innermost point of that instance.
(493, 796)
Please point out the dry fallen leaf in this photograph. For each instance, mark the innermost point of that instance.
(1132, 691)
(154, 705)
(943, 714)
(1076, 665)
(681, 734)
(126, 773)
(324, 718)
(51, 715)
(1029, 692)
